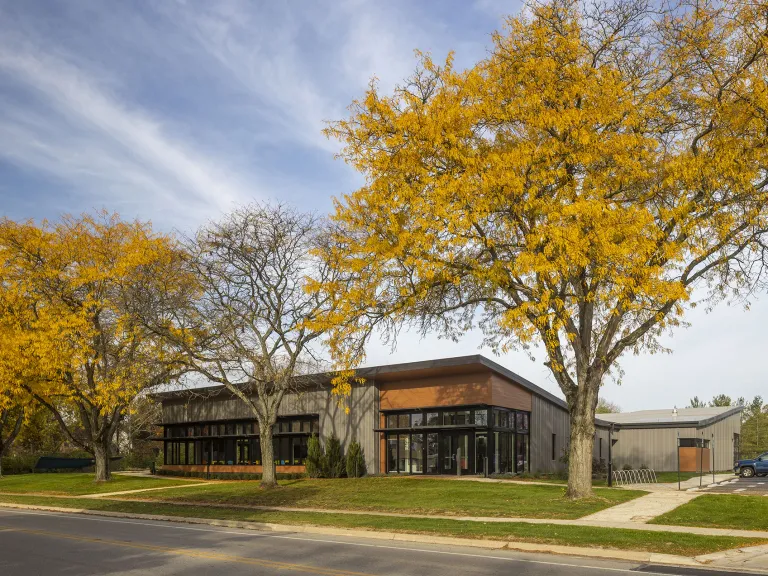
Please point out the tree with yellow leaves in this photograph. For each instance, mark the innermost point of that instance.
(72, 293)
(570, 190)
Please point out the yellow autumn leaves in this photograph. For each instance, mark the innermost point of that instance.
(69, 292)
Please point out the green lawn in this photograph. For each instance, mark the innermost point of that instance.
(720, 511)
(79, 483)
(661, 542)
(408, 495)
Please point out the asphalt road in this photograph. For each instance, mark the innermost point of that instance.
(757, 486)
(50, 543)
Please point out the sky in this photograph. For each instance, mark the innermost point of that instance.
(176, 111)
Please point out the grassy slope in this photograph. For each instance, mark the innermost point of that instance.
(79, 483)
(661, 542)
(720, 511)
(414, 496)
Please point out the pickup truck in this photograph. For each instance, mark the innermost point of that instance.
(754, 467)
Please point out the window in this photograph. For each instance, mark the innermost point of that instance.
(693, 443)
(433, 418)
(449, 418)
(481, 452)
(306, 426)
(392, 421)
(481, 417)
(403, 450)
(600, 452)
(392, 453)
(462, 417)
(554, 441)
(404, 421)
(296, 426)
(522, 422)
(417, 453)
(521, 452)
(432, 453)
(243, 452)
(417, 419)
(503, 420)
(298, 450)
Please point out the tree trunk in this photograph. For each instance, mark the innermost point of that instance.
(268, 475)
(102, 453)
(6, 443)
(582, 445)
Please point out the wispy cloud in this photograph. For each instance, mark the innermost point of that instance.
(83, 133)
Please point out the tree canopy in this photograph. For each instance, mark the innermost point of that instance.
(71, 292)
(571, 190)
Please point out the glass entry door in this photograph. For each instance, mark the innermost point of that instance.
(455, 452)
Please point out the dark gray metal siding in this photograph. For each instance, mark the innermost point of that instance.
(358, 424)
(547, 419)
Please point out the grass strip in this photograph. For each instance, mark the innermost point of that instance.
(80, 483)
(605, 538)
(406, 495)
(720, 511)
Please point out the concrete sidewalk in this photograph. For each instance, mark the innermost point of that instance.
(643, 509)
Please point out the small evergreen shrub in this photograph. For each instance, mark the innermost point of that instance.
(315, 457)
(334, 458)
(355, 460)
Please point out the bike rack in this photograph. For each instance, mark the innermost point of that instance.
(641, 476)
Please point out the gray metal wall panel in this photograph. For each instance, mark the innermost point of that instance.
(357, 424)
(655, 448)
(721, 435)
(548, 419)
(601, 434)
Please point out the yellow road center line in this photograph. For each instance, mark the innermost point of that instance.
(191, 553)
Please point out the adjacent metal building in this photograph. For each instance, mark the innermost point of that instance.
(706, 437)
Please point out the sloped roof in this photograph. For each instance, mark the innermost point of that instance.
(689, 417)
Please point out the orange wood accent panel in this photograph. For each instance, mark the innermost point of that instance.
(689, 459)
(439, 391)
(242, 469)
(509, 395)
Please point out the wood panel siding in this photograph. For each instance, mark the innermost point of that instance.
(230, 469)
(507, 394)
(454, 390)
(695, 460)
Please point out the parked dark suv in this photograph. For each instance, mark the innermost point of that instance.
(754, 467)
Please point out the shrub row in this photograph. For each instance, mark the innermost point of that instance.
(331, 462)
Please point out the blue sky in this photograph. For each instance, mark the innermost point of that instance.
(175, 111)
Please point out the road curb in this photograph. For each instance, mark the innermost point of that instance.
(599, 553)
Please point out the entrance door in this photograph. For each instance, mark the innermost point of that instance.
(455, 452)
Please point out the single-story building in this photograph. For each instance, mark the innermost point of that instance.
(650, 438)
(455, 415)
(463, 415)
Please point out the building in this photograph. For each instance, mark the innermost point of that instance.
(649, 438)
(450, 416)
